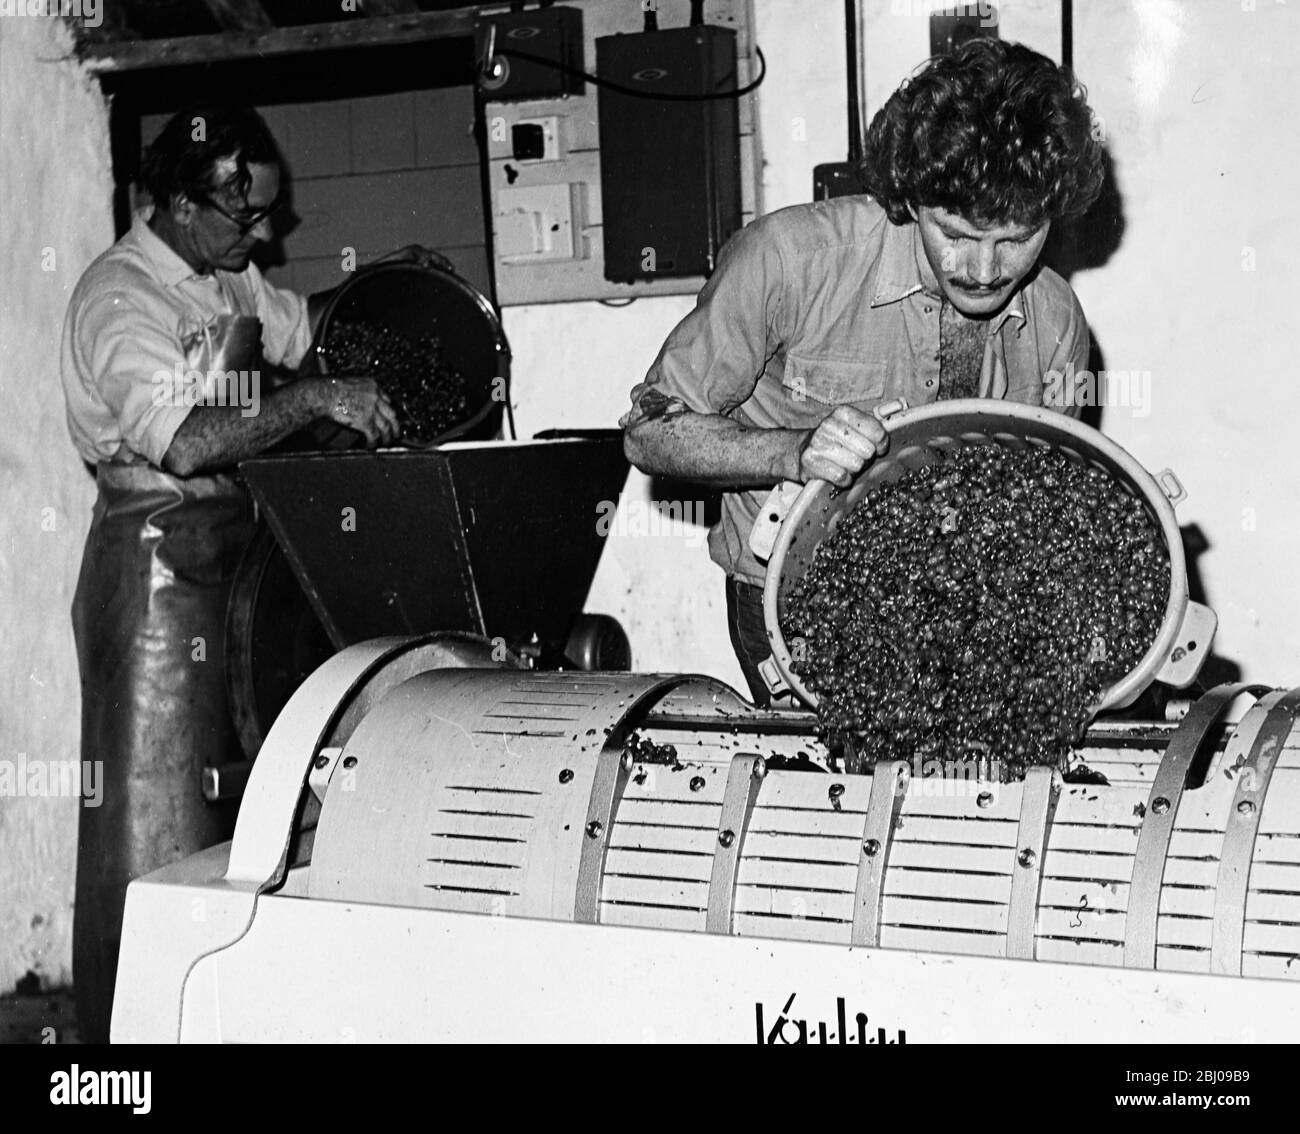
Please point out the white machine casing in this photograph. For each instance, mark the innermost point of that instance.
(432, 853)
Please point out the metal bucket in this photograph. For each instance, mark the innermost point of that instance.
(795, 519)
(415, 300)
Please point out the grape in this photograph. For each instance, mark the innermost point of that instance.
(977, 606)
(428, 395)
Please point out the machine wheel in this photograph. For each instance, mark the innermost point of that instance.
(274, 641)
(597, 641)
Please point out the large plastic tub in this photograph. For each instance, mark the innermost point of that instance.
(796, 519)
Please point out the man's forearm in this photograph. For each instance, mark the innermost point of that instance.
(714, 450)
(218, 436)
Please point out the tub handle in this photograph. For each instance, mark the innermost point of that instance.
(771, 675)
(886, 410)
(1171, 486)
(1191, 646)
(762, 536)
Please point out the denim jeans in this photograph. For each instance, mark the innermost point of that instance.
(748, 634)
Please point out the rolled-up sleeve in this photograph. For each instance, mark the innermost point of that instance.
(286, 324)
(135, 359)
(714, 357)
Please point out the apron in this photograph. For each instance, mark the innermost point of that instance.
(149, 622)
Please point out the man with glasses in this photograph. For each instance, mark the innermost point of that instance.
(173, 306)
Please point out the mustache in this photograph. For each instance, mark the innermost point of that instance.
(971, 285)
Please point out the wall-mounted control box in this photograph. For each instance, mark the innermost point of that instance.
(669, 167)
(544, 158)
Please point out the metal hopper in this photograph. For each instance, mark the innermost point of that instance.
(496, 538)
(493, 538)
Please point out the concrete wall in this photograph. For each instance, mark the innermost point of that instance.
(56, 216)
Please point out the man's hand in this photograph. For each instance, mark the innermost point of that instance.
(358, 404)
(840, 447)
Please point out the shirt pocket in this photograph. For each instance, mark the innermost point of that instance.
(834, 381)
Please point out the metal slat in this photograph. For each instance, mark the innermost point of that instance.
(1240, 834)
(888, 787)
(1158, 823)
(743, 782)
(1037, 806)
(613, 766)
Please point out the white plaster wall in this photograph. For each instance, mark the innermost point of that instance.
(56, 217)
(1198, 101)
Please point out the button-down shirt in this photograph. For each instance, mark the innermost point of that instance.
(830, 304)
(128, 322)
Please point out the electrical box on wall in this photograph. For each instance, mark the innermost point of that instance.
(548, 206)
(669, 167)
(535, 223)
(548, 36)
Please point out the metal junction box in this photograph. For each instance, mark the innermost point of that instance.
(669, 169)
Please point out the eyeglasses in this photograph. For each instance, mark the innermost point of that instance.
(248, 221)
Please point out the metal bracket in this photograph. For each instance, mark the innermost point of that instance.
(1239, 835)
(1142, 918)
(322, 768)
(1041, 793)
(888, 786)
(613, 766)
(744, 779)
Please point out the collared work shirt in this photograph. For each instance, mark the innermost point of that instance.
(129, 320)
(822, 305)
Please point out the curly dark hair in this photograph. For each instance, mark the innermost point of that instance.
(184, 156)
(994, 132)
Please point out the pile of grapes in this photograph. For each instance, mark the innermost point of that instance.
(428, 395)
(976, 607)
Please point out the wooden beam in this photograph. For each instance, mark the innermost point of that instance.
(142, 54)
(239, 15)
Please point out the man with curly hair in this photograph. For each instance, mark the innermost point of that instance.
(928, 288)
